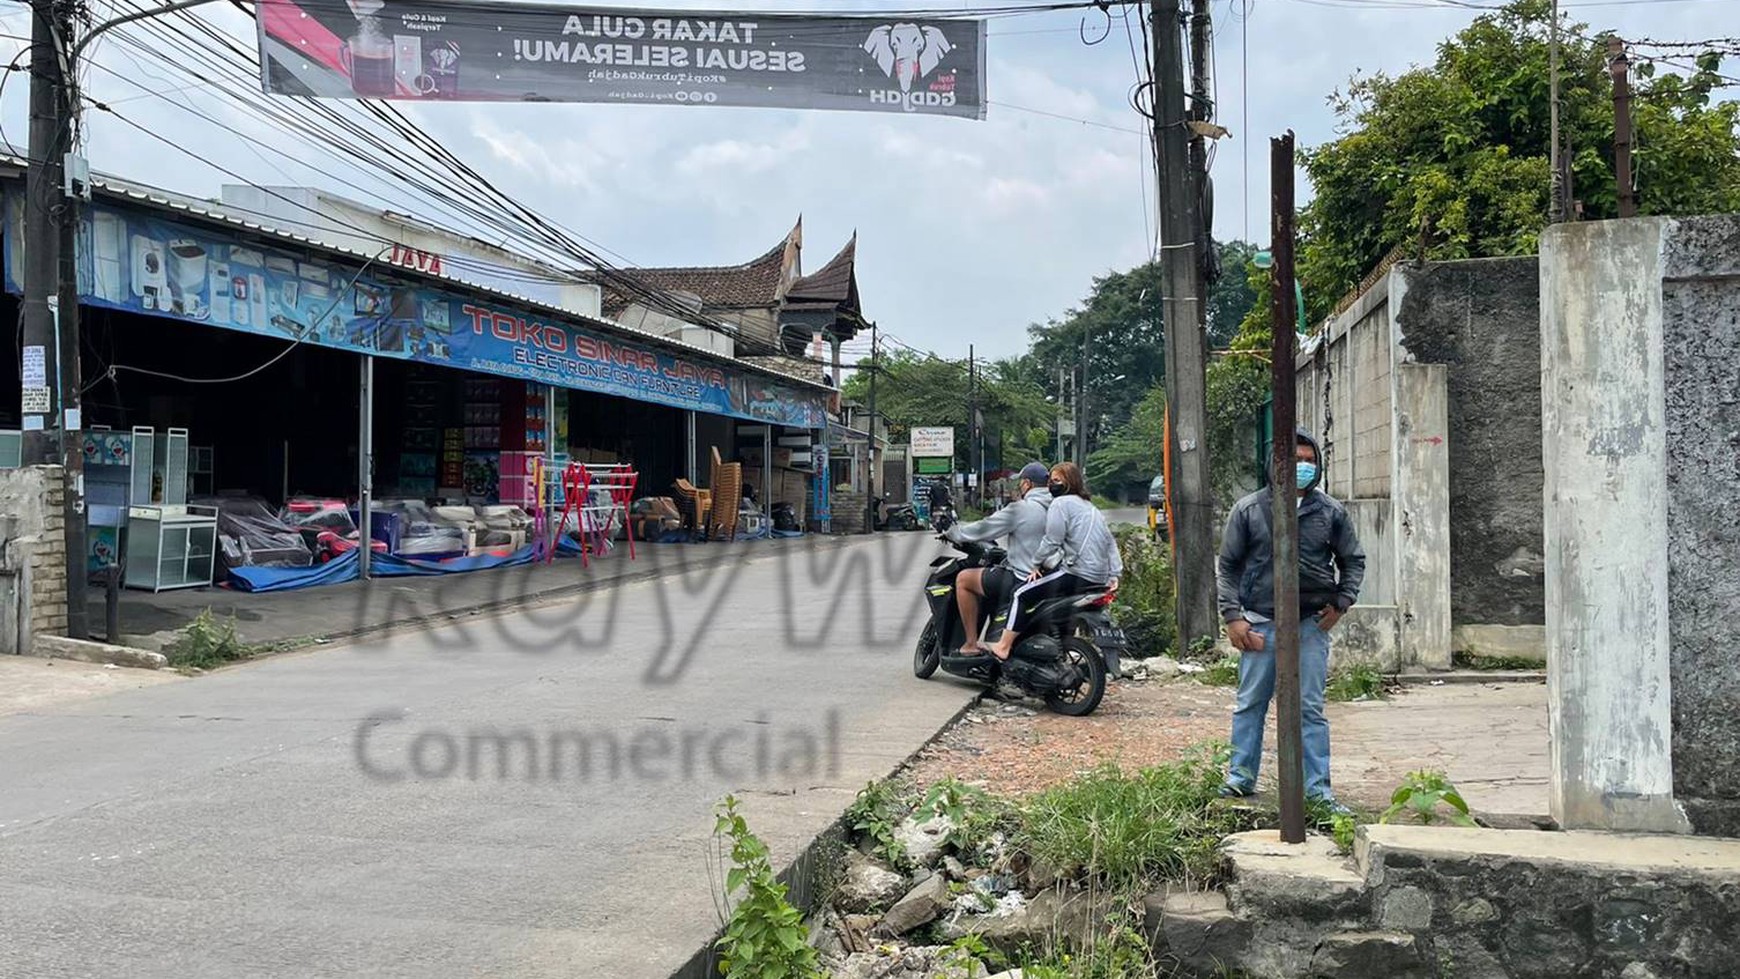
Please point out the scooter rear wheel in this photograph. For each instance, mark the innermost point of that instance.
(928, 654)
(1085, 698)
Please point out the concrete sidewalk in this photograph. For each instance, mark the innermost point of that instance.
(357, 609)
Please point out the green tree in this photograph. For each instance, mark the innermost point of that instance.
(1452, 159)
(918, 389)
(1129, 456)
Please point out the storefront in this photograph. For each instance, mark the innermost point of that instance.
(298, 369)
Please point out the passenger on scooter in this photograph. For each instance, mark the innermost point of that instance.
(1023, 522)
(1079, 553)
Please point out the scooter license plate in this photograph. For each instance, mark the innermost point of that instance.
(1110, 635)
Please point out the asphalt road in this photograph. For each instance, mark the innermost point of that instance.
(417, 806)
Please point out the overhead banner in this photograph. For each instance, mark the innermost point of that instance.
(130, 259)
(439, 50)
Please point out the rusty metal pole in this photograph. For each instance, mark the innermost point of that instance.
(1620, 68)
(1285, 513)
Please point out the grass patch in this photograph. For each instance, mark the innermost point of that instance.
(1132, 830)
(1467, 661)
(1358, 682)
(207, 644)
(1223, 672)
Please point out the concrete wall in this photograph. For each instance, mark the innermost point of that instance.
(1481, 319)
(1606, 526)
(1383, 426)
(1700, 308)
(32, 556)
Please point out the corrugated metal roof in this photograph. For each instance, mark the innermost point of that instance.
(211, 211)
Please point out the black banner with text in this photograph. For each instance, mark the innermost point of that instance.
(435, 50)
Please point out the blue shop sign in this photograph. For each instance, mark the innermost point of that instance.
(133, 260)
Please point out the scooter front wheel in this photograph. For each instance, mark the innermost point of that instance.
(928, 653)
(1084, 698)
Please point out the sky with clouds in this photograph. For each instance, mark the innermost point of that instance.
(968, 230)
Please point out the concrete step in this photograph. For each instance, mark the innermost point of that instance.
(1310, 881)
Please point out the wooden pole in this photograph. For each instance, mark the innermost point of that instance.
(1285, 514)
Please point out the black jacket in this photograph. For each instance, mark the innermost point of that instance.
(1331, 561)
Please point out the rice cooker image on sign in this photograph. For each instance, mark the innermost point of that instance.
(150, 278)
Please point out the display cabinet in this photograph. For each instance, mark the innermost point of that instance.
(170, 546)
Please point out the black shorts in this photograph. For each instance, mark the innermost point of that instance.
(1000, 583)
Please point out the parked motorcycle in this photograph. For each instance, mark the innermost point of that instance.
(1056, 658)
(900, 516)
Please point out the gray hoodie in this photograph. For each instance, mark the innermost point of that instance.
(1023, 522)
(1078, 540)
(1331, 561)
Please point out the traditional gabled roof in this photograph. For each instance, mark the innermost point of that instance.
(756, 284)
(835, 283)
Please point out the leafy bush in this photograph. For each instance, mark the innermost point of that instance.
(205, 644)
(1144, 607)
(1132, 830)
(764, 937)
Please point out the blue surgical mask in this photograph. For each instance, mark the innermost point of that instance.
(1307, 474)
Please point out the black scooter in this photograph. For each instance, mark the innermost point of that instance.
(1053, 659)
(900, 516)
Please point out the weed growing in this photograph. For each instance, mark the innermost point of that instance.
(1358, 682)
(1465, 661)
(1422, 794)
(876, 812)
(1129, 831)
(207, 644)
(764, 937)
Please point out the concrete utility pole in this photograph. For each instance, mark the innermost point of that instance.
(43, 208)
(1620, 68)
(1284, 518)
(870, 446)
(1186, 381)
(973, 421)
(52, 426)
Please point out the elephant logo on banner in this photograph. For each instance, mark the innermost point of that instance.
(907, 52)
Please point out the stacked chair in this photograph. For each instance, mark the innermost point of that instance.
(727, 496)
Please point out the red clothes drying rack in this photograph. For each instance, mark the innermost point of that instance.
(594, 521)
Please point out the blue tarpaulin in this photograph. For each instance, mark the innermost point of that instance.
(345, 568)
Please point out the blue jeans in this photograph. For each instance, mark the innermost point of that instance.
(1257, 687)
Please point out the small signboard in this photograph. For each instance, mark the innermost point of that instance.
(934, 441)
(937, 466)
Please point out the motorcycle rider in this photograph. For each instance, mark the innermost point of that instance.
(1078, 553)
(1023, 522)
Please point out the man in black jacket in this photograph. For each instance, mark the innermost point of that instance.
(1331, 567)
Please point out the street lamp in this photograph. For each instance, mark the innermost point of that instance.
(1263, 260)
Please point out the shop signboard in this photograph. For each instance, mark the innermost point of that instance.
(933, 441)
(933, 466)
(133, 260)
(455, 51)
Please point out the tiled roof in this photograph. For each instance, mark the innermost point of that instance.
(755, 284)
